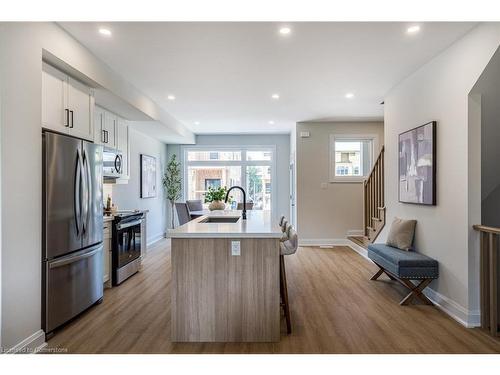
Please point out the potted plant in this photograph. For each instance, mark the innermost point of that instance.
(216, 196)
(172, 183)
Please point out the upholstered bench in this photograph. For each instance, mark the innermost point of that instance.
(404, 266)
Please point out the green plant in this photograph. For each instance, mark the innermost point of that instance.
(172, 183)
(215, 194)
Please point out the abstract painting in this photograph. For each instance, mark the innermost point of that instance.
(148, 176)
(417, 165)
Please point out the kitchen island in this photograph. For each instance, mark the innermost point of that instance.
(225, 278)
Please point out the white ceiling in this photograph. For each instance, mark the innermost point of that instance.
(223, 74)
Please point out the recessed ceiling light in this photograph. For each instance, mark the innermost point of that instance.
(104, 31)
(413, 29)
(197, 123)
(285, 30)
(171, 97)
(349, 95)
(271, 122)
(275, 96)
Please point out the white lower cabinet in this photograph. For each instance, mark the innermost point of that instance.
(106, 255)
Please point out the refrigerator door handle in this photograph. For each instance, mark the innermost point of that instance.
(88, 189)
(78, 202)
(74, 258)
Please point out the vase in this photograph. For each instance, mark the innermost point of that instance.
(216, 205)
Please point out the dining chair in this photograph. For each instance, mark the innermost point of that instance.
(182, 213)
(194, 205)
(287, 247)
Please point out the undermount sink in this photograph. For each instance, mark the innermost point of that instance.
(220, 220)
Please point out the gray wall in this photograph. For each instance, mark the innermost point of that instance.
(327, 214)
(439, 91)
(488, 87)
(282, 143)
(127, 196)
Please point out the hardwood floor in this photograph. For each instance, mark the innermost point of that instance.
(335, 309)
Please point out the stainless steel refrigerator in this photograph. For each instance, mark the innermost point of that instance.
(72, 228)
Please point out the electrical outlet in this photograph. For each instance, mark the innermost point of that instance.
(235, 248)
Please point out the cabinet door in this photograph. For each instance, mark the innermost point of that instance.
(81, 107)
(55, 114)
(109, 127)
(98, 125)
(122, 144)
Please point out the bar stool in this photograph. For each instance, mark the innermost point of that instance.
(287, 247)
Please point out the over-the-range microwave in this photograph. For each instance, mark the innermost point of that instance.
(112, 166)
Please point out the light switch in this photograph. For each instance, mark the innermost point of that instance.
(235, 248)
(324, 185)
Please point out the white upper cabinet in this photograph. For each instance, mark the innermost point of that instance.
(67, 105)
(122, 137)
(109, 129)
(81, 109)
(55, 114)
(98, 125)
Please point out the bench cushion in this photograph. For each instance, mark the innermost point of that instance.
(404, 264)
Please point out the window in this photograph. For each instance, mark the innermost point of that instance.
(351, 157)
(250, 167)
(212, 183)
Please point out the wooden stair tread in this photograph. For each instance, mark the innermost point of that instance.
(362, 241)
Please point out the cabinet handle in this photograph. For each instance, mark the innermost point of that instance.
(103, 136)
(67, 117)
(72, 122)
(106, 136)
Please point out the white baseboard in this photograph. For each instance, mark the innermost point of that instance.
(30, 345)
(360, 250)
(469, 319)
(324, 242)
(155, 238)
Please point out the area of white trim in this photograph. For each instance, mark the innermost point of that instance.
(324, 242)
(356, 233)
(360, 250)
(31, 344)
(467, 318)
(155, 239)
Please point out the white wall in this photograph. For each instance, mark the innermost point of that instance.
(127, 196)
(282, 143)
(439, 91)
(325, 215)
(21, 46)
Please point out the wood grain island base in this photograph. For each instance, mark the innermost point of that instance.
(218, 295)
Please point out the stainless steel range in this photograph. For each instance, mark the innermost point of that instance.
(126, 245)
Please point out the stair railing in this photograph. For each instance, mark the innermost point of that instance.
(489, 277)
(373, 202)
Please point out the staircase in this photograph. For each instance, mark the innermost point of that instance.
(373, 203)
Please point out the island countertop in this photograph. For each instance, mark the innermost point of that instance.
(259, 224)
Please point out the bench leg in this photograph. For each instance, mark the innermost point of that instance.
(416, 291)
(377, 275)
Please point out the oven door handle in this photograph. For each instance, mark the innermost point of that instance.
(129, 224)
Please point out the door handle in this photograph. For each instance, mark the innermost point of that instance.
(72, 120)
(88, 189)
(118, 164)
(67, 117)
(74, 258)
(77, 197)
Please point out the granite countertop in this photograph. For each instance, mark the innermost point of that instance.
(258, 225)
